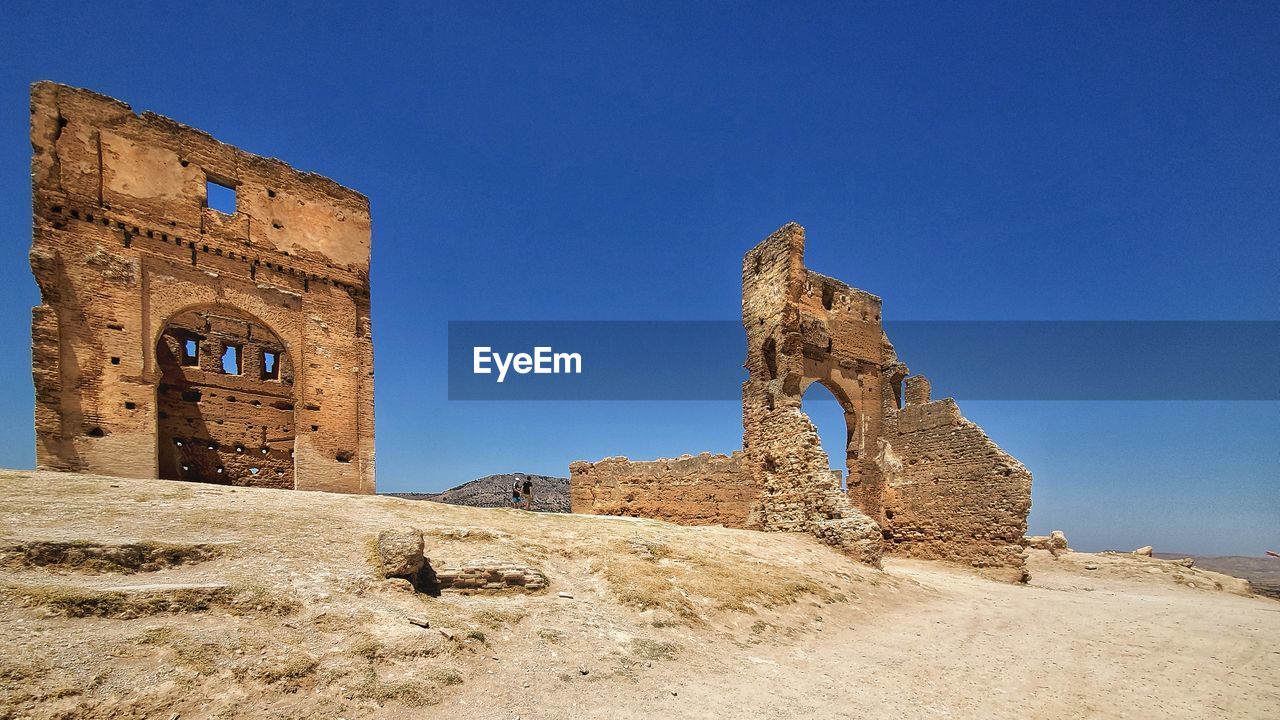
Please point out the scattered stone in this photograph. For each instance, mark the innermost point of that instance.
(400, 584)
(1144, 551)
(565, 595)
(1090, 566)
(1184, 562)
(419, 621)
(1055, 542)
(400, 552)
(583, 670)
(448, 634)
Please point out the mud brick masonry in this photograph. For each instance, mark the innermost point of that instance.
(179, 341)
(922, 480)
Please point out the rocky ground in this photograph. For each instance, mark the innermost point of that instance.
(550, 494)
(1262, 572)
(130, 598)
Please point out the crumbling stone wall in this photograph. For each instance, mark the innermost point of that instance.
(133, 265)
(921, 479)
(790, 346)
(949, 492)
(704, 489)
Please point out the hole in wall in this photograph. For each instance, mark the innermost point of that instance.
(834, 434)
(95, 432)
(191, 395)
(231, 359)
(130, 405)
(190, 352)
(343, 456)
(770, 352)
(271, 366)
(220, 195)
(115, 361)
(828, 296)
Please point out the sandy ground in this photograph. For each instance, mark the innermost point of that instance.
(664, 621)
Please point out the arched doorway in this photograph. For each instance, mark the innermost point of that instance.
(225, 400)
(836, 423)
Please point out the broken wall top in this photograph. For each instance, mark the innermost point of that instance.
(93, 149)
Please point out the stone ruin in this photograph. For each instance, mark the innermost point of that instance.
(923, 481)
(187, 342)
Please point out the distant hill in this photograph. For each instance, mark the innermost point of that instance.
(1263, 573)
(550, 494)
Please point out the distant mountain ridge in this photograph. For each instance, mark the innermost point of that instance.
(550, 494)
(1263, 573)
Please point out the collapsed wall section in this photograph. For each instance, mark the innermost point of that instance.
(701, 489)
(784, 346)
(950, 493)
(922, 480)
(129, 256)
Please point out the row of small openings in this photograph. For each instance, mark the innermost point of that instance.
(232, 359)
(222, 471)
(165, 237)
(240, 448)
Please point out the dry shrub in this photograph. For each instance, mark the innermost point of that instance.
(648, 575)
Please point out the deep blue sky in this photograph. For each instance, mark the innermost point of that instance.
(596, 161)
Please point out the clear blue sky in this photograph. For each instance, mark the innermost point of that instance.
(1005, 161)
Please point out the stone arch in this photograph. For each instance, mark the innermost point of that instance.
(224, 399)
(847, 449)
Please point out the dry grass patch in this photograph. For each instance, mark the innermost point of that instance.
(95, 557)
(649, 575)
(496, 618)
(89, 602)
(653, 649)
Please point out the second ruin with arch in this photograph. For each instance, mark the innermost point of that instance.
(923, 481)
(180, 340)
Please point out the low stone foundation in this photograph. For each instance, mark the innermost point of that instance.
(489, 575)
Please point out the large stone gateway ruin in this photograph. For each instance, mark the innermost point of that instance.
(923, 481)
(186, 341)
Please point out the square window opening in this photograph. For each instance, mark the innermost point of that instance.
(220, 195)
(270, 365)
(231, 359)
(191, 352)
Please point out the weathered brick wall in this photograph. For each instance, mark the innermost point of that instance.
(920, 476)
(124, 245)
(704, 489)
(950, 492)
(787, 348)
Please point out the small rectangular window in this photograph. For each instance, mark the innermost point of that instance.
(220, 196)
(270, 365)
(231, 359)
(190, 352)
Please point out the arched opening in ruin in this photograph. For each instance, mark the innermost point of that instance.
(224, 402)
(836, 423)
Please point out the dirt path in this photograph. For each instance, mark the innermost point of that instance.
(1071, 645)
